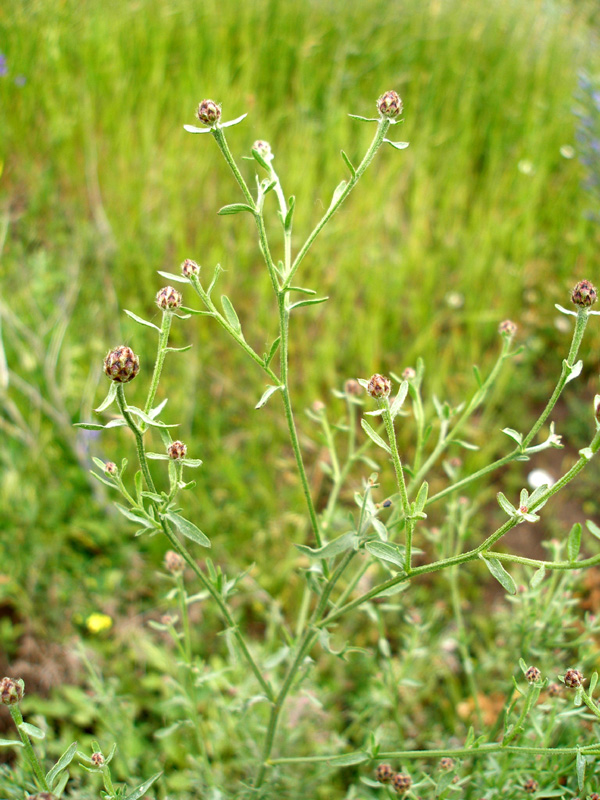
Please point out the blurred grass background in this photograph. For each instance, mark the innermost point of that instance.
(482, 218)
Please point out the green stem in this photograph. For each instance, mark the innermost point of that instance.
(384, 404)
(34, 762)
(139, 440)
(224, 148)
(382, 129)
(163, 341)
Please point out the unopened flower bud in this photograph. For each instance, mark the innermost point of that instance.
(11, 691)
(573, 678)
(531, 786)
(209, 112)
(190, 268)
(389, 105)
(384, 773)
(379, 386)
(533, 674)
(110, 468)
(507, 328)
(174, 563)
(408, 374)
(97, 759)
(584, 294)
(554, 689)
(264, 149)
(446, 763)
(401, 783)
(318, 406)
(168, 298)
(177, 450)
(121, 364)
(353, 387)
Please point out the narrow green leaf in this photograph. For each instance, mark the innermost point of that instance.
(301, 289)
(260, 160)
(130, 515)
(138, 482)
(60, 786)
(505, 505)
(518, 437)
(348, 164)
(179, 349)
(593, 682)
(287, 225)
(574, 542)
(109, 399)
(142, 321)
(422, 497)
(32, 730)
(363, 119)
(141, 790)
(62, 763)
(273, 349)
(266, 394)
(538, 577)
(574, 371)
(234, 208)
(346, 541)
(11, 743)
(501, 575)
(374, 436)
(89, 426)
(339, 191)
(153, 423)
(580, 767)
(170, 276)
(398, 401)
(466, 445)
(397, 145)
(312, 302)
(393, 553)
(230, 314)
(115, 423)
(103, 480)
(188, 529)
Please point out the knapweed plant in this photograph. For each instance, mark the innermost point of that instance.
(272, 735)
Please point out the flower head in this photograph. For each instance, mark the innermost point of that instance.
(507, 328)
(97, 759)
(190, 268)
(379, 386)
(584, 294)
(209, 112)
(264, 149)
(174, 563)
(176, 450)
(573, 678)
(384, 773)
(533, 674)
(168, 298)
(121, 364)
(11, 691)
(390, 105)
(401, 783)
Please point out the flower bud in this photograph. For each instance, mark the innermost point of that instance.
(507, 328)
(121, 364)
(209, 112)
(384, 773)
(408, 374)
(533, 674)
(97, 759)
(531, 786)
(389, 105)
(554, 689)
(573, 678)
(264, 149)
(174, 563)
(379, 386)
(401, 783)
(177, 450)
(190, 268)
(353, 387)
(11, 691)
(584, 294)
(446, 763)
(168, 298)
(110, 468)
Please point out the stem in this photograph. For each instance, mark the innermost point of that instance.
(139, 440)
(382, 129)
(163, 341)
(384, 404)
(224, 148)
(34, 762)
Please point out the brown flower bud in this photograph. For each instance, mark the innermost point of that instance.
(507, 328)
(11, 691)
(384, 773)
(446, 763)
(531, 786)
(573, 678)
(190, 268)
(408, 374)
(97, 759)
(389, 105)
(584, 294)
(401, 783)
(110, 468)
(121, 364)
(168, 298)
(533, 674)
(353, 387)
(177, 450)
(209, 112)
(264, 149)
(554, 689)
(174, 563)
(379, 386)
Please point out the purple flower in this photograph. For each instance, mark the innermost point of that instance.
(3, 65)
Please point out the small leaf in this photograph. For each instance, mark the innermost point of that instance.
(393, 553)
(398, 401)
(229, 124)
(266, 394)
(194, 129)
(153, 423)
(574, 542)
(374, 436)
(188, 529)
(60, 786)
(312, 302)
(339, 191)
(158, 456)
(142, 321)
(346, 541)
(130, 515)
(115, 423)
(537, 577)
(179, 349)
(501, 575)
(363, 119)
(287, 224)
(230, 314)
(574, 371)
(272, 351)
(422, 497)
(466, 445)
(62, 763)
(170, 276)
(593, 528)
(565, 310)
(141, 790)
(505, 505)
(234, 208)
(191, 462)
(348, 164)
(89, 426)
(11, 743)
(580, 764)
(261, 160)
(398, 145)
(109, 399)
(593, 682)
(300, 289)
(518, 437)
(32, 730)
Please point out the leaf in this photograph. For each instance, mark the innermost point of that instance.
(11, 743)
(339, 191)
(229, 124)
(115, 423)
(518, 437)
(194, 129)
(144, 521)
(593, 682)
(565, 310)
(234, 208)
(287, 224)
(346, 541)
(300, 289)
(141, 790)
(399, 399)
(230, 314)
(348, 164)
(273, 349)
(505, 505)
(422, 497)
(141, 321)
(32, 730)
(537, 577)
(574, 542)
(62, 763)
(188, 529)
(312, 302)
(170, 276)
(109, 399)
(398, 145)
(574, 371)
(191, 462)
(89, 426)
(266, 394)
(179, 349)
(60, 786)
(501, 575)
(364, 119)
(580, 765)
(393, 553)
(466, 445)
(374, 436)
(348, 760)
(593, 528)
(137, 412)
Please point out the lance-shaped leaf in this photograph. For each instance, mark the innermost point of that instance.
(339, 191)
(230, 314)
(170, 276)
(32, 730)
(137, 412)
(502, 576)
(11, 743)
(234, 208)
(364, 119)
(348, 164)
(580, 765)
(142, 321)
(347, 541)
(574, 371)
(506, 505)
(518, 437)
(268, 357)
(109, 399)
(537, 577)
(348, 760)
(141, 790)
(312, 302)
(131, 515)
(398, 401)
(188, 529)
(266, 394)
(374, 436)
(574, 542)
(397, 145)
(62, 763)
(393, 553)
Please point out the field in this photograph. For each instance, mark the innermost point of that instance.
(490, 213)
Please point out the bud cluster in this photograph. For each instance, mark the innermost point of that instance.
(264, 149)
(531, 786)
(507, 328)
(400, 782)
(97, 759)
(174, 563)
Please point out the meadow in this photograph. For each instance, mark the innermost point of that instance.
(489, 214)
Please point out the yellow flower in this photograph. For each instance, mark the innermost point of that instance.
(96, 623)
